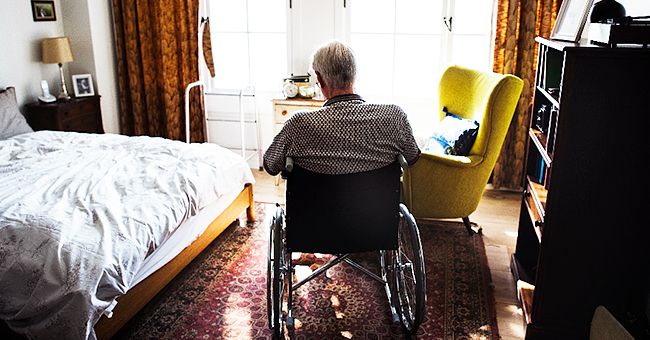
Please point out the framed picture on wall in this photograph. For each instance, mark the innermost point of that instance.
(571, 19)
(43, 11)
(83, 85)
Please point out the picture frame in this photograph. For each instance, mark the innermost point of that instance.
(43, 11)
(83, 85)
(571, 19)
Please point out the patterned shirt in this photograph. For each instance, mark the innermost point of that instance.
(344, 136)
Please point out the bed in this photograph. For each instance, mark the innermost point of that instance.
(92, 226)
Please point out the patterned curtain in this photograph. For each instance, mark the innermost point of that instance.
(207, 47)
(157, 56)
(515, 52)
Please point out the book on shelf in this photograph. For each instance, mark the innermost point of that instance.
(525, 292)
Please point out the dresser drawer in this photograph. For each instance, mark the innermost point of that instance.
(283, 112)
(67, 112)
(80, 108)
(81, 123)
(285, 109)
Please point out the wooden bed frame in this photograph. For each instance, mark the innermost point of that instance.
(138, 296)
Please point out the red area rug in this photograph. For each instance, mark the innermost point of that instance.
(222, 293)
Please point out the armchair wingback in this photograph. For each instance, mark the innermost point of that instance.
(447, 186)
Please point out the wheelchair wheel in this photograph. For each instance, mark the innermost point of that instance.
(387, 266)
(275, 274)
(409, 273)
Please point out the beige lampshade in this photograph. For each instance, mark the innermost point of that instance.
(56, 50)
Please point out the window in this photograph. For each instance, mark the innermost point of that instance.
(471, 36)
(397, 46)
(249, 44)
(635, 8)
(402, 47)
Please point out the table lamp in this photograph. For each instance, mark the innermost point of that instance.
(57, 51)
(607, 10)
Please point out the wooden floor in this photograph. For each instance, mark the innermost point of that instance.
(497, 214)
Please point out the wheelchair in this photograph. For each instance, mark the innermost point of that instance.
(341, 215)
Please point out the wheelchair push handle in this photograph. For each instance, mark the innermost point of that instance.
(288, 167)
(402, 162)
(288, 164)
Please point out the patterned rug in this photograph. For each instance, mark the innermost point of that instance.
(222, 293)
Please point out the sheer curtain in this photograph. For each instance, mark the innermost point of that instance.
(157, 56)
(515, 51)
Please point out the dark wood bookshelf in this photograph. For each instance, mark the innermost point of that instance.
(552, 98)
(582, 240)
(539, 139)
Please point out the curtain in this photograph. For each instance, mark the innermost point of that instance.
(515, 52)
(207, 47)
(157, 56)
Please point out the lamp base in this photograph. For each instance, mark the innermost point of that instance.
(64, 90)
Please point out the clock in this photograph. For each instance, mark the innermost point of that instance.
(290, 90)
(306, 91)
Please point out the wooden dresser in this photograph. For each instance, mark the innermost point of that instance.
(77, 114)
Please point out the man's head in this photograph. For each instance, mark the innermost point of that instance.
(335, 67)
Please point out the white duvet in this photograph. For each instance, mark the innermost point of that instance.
(79, 213)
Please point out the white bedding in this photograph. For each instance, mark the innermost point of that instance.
(79, 213)
(183, 236)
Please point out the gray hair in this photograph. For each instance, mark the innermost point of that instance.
(335, 63)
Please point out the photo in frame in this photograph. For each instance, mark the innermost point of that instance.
(83, 85)
(571, 19)
(43, 11)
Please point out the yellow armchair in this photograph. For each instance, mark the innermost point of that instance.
(446, 186)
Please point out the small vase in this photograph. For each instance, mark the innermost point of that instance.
(606, 10)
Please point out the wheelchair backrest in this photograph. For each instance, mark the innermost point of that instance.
(337, 214)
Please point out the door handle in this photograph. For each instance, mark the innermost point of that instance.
(448, 22)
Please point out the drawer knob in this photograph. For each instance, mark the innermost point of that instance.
(284, 112)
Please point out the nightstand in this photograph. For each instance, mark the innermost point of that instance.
(77, 114)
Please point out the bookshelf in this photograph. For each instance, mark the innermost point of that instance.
(582, 240)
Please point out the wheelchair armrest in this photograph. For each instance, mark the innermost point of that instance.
(288, 167)
(402, 162)
(288, 164)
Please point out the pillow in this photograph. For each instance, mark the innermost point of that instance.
(12, 121)
(453, 136)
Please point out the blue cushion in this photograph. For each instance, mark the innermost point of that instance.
(453, 136)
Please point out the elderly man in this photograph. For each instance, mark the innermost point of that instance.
(346, 135)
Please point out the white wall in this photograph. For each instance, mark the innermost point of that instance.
(20, 55)
(87, 23)
(106, 80)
